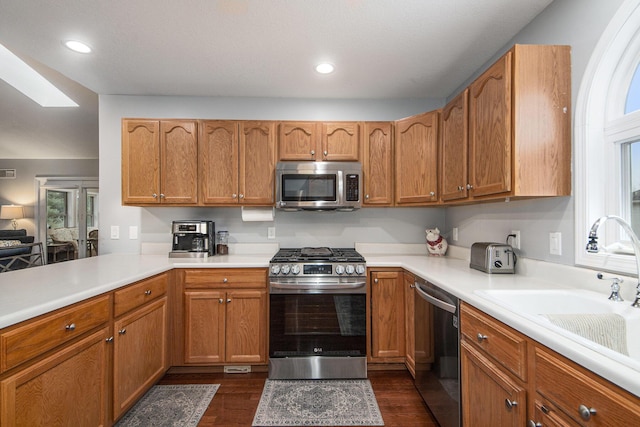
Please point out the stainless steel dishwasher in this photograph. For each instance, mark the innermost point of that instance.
(437, 347)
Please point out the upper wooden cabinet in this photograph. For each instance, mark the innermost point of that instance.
(454, 140)
(416, 156)
(519, 125)
(159, 162)
(237, 162)
(377, 163)
(319, 141)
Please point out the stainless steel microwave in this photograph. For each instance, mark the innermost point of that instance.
(318, 185)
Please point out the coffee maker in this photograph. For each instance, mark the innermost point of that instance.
(193, 239)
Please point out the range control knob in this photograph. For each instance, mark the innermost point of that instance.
(350, 269)
(275, 269)
(286, 269)
(360, 269)
(295, 269)
(339, 269)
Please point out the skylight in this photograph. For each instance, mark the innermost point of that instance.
(21, 76)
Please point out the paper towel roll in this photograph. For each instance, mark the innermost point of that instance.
(257, 214)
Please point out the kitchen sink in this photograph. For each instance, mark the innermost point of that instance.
(540, 305)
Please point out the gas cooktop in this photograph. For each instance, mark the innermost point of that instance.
(317, 254)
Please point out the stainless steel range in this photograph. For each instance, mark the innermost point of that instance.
(317, 316)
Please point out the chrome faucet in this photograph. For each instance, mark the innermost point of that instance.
(592, 245)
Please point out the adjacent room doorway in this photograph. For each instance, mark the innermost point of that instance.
(67, 216)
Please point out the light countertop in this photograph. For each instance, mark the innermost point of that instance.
(32, 292)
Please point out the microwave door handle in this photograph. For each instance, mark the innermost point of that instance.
(435, 301)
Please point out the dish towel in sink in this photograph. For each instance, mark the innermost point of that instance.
(609, 330)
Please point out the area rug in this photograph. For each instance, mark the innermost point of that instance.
(170, 405)
(318, 403)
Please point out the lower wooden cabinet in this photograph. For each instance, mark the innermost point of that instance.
(387, 316)
(225, 316)
(490, 397)
(140, 353)
(68, 388)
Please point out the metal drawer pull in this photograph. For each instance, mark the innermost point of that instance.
(110, 339)
(122, 331)
(586, 413)
(375, 280)
(147, 292)
(220, 301)
(481, 337)
(70, 327)
(510, 404)
(225, 280)
(228, 300)
(532, 423)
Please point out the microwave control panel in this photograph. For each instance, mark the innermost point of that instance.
(352, 188)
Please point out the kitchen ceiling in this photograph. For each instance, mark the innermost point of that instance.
(247, 48)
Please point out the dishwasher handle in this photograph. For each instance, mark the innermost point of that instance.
(427, 296)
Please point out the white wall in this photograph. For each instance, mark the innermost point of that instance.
(578, 23)
(292, 228)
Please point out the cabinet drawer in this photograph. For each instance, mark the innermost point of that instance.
(139, 293)
(225, 278)
(37, 337)
(571, 387)
(500, 342)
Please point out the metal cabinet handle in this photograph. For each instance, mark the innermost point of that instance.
(460, 188)
(70, 327)
(313, 152)
(481, 337)
(225, 280)
(122, 331)
(375, 280)
(510, 404)
(585, 412)
(234, 195)
(110, 339)
(162, 195)
(220, 301)
(366, 196)
(241, 196)
(228, 300)
(433, 193)
(147, 292)
(154, 195)
(469, 187)
(325, 153)
(412, 286)
(532, 423)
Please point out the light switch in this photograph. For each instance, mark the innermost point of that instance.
(133, 232)
(115, 232)
(555, 243)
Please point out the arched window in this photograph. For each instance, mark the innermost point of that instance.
(607, 142)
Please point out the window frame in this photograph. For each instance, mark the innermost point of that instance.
(601, 127)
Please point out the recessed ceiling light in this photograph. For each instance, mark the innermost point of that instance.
(325, 68)
(77, 46)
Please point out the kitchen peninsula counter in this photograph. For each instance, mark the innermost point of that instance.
(32, 292)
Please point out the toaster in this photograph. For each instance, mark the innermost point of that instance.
(493, 257)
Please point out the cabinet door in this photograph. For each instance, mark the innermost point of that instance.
(140, 353)
(489, 396)
(387, 315)
(299, 141)
(490, 130)
(178, 162)
(409, 325)
(69, 388)
(257, 163)
(246, 332)
(140, 161)
(417, 159)
(218, 148)
(454, 141)
(204, 326)
(377, 164)
(341, 141)
(546, 416)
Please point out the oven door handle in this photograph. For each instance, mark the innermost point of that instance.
(328, 286)
(435, 301)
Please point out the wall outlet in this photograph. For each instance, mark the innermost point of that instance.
(454, 234)
(115, 232)
(271, 233)
(133, 232)
(555, 243)
(515, 241)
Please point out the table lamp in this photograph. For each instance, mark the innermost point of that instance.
(12, 212)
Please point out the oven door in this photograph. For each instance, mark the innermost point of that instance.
(317, 324)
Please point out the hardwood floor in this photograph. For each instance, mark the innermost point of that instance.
(237, 398)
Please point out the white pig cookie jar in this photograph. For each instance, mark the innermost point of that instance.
(436, 244)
